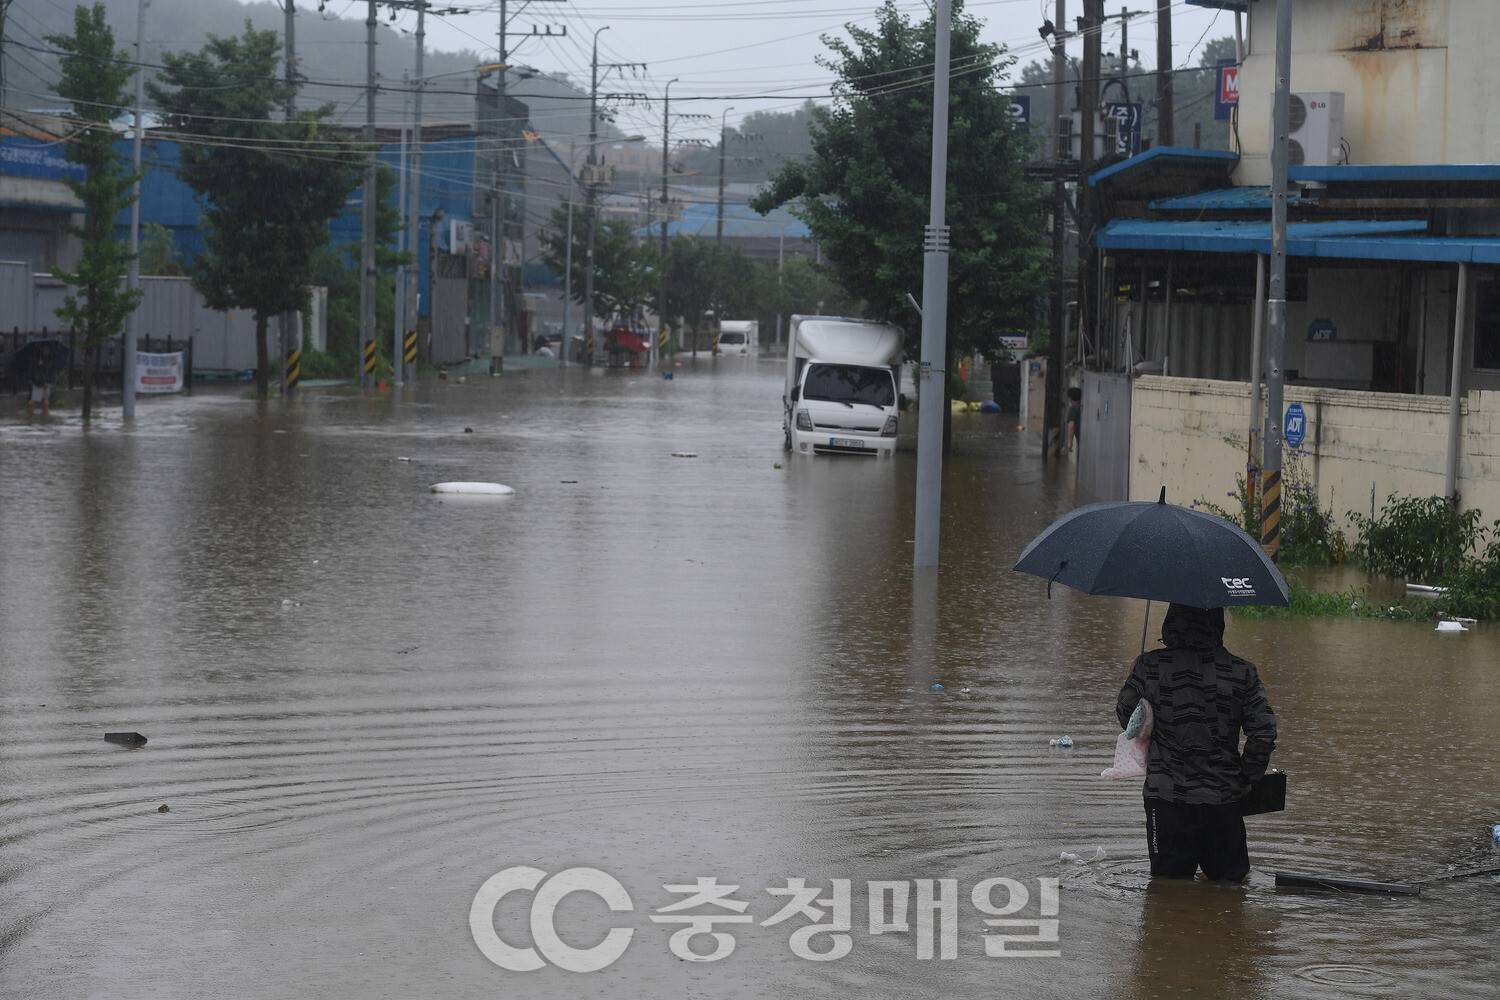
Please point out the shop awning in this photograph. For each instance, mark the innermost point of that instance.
(1356, 239)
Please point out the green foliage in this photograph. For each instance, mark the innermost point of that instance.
(864, 191)
(1352, 603)
(1418, 538)
(1308, 536)
(269, 187)
(93, 80)
(158, 253)
(624, 271)
(1473, 586)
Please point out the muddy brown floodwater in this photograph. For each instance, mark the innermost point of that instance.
(363, 700)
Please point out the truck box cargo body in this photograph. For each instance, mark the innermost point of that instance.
(843, 382)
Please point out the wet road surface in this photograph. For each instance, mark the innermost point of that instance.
(363, 700)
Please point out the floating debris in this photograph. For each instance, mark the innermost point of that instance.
(484, 489)
(1061, 741)
(684, 454)
(126, 739)
(163, 808)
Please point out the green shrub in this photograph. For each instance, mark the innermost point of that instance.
(1308, 537)
(1417, 538)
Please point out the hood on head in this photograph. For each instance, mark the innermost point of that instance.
(1193, 628)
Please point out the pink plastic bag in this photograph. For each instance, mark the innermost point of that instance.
(1130, 754)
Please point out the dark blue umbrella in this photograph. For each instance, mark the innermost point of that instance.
(1155, 551)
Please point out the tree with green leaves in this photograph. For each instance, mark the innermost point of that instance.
(864, 190)
(624, 270)
(158, 251)
(269, 187)
(94, 75)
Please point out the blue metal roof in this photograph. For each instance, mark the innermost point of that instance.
(1215, 159)
(1357, 173)
(1358, 238)
(1240, 5)
(1234, 199)
(740, 222)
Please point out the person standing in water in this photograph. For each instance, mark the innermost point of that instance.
(1202, 696)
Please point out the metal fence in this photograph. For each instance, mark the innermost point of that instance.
(108, 375)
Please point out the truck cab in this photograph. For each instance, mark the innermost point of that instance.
(843, 382)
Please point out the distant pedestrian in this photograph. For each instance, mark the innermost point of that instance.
(1201, 696)
(1075, 416)
(41, 360)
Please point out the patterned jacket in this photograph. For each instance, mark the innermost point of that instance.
(1201, 696)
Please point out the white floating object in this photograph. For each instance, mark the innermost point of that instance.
(684, 454)
(1450, 627)
(485, 489)
(403, 458)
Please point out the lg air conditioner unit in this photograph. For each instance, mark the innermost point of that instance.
(1315, 129)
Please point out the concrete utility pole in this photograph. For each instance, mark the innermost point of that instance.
(499, 270)
(290, 337)
(133, 275)
(1164, 111)
(666, 215)
(723, 143)
(412, 285)
(4, 7)
(1052, 422)
(591, 350)
(367, 215)
(1092, 27)
(931, 374)
(398, 314)
(1270, 516)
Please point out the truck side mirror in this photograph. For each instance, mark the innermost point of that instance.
(796, 393)
(902, 402)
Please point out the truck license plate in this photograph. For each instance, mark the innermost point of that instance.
(845, 443)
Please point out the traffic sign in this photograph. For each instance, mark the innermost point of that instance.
(1294, 428)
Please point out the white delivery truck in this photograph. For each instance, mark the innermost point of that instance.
(737, 337)
(843, 387)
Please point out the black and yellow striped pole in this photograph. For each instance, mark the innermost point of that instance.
(409, 355)
(368, 368)
(1270, 513)
(293, 370)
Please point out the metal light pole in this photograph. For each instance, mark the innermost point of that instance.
(1270, 516)
(931, 376)
(133, 276)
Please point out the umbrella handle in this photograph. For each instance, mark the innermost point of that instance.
(1060, 567)
(1144, 623)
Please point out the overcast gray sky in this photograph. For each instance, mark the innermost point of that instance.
(727, 50)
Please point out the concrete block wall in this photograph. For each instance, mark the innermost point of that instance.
(1189, 435)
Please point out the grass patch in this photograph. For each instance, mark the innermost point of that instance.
(1351, 603)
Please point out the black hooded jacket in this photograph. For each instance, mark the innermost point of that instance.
(1201, 697)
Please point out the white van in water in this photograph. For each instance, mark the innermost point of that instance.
(843, 387)
(737, 337)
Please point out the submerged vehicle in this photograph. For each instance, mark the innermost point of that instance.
(737, 337)
(843, 381)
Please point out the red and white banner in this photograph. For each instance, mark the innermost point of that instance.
(158, 372)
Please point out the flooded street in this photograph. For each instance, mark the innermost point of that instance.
(363, 700)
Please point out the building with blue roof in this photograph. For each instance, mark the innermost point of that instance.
(1393, 273)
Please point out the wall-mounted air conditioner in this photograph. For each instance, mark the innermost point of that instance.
(1315, 127)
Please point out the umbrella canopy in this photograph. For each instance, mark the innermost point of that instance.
(1155, 551)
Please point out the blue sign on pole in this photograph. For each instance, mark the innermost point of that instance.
(1128, 130)
(1227, 92)
(1020, 108)
(1294, 428)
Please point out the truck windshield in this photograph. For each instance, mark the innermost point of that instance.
(849, 384)
(731, 338)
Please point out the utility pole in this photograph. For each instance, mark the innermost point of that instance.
(367, 215)
(1270, 511)
(1052, 418)
(499, 270)
(412, 312)
(666, 215)
(1092, 27)
(133, 276)
(290, 341)
(589, 348)
(932, 377)
(398, 314)
(723, 143)
(1164, 112)
(4, 7)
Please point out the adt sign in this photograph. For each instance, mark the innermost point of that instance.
(1294, 428)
